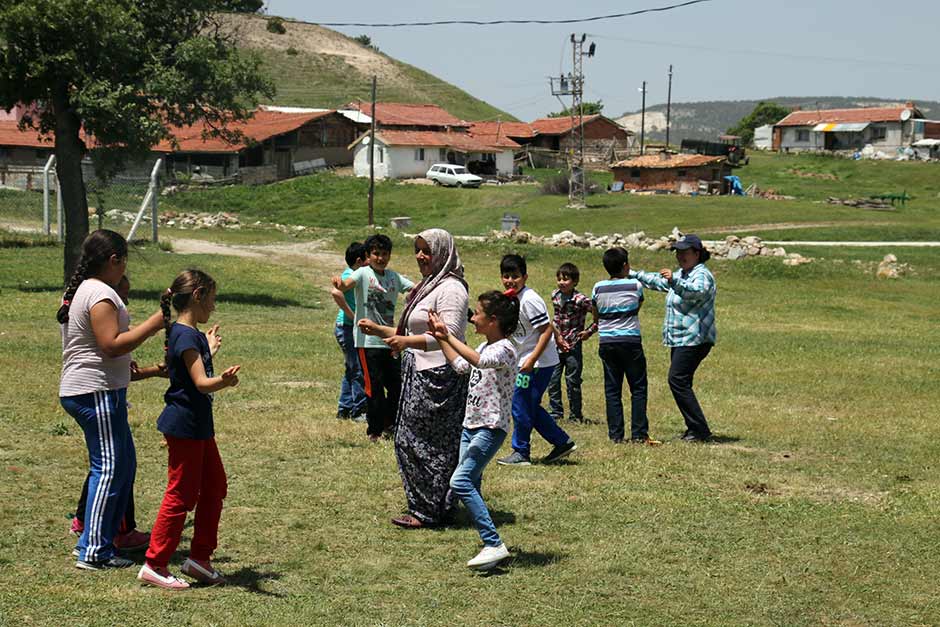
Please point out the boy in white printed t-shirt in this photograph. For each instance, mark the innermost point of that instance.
(537, 360)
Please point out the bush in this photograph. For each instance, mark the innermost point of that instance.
(276, 26)
(557, 185)
(292, 51)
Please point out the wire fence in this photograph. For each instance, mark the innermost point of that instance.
(29, 194)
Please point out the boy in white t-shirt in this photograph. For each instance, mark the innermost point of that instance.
(537, 360)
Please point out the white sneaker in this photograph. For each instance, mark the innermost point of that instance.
(489, 557)
(169, 582)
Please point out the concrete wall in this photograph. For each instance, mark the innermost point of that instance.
(361, 160)
(400, 162)
(897, 134)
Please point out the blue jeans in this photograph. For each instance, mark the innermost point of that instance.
(528, 413)
(113, 461)
(477, 448)
(352, 396)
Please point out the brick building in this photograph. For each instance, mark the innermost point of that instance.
(679, 173)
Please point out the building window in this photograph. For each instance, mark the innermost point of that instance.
(635, 173)
(442, 154)
(419, 154)
(878, 132)
(802, 135)
(682, 173)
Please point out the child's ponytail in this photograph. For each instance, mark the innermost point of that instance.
(97, 248)
(165, 300)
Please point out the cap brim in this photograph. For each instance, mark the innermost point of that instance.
(682, 246)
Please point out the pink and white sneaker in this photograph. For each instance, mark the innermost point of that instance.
(203, 572)
(150, 576)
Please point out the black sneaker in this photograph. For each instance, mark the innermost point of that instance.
(691, 436)
(562, 450)
(342, 414)
(514, 459)
(112, 562)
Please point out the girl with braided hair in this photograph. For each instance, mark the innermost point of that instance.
(196, 477)
(96, 344)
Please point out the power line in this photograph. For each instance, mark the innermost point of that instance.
(596, 18)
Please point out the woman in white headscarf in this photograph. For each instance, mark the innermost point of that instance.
(433, 395)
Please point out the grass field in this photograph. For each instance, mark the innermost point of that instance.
(818, 505)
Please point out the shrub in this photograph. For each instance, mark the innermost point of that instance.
(292, 51)
(276, 26)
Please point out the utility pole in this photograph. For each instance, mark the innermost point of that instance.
(372, 159)
(668, 107)
(643, 121)
(573, 85)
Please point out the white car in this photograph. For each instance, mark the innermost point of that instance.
(453, 175)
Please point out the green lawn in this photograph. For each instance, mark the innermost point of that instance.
(818, 506)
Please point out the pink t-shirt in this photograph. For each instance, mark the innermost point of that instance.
(85, 369)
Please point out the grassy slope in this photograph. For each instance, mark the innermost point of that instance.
(320, 80)
(338, 202)
(819, 508)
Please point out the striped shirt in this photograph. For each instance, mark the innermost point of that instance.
(618, 304)
(690, 305)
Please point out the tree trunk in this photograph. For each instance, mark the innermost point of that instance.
(69, 151)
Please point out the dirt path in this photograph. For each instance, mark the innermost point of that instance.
(312, 257)
(784, 226)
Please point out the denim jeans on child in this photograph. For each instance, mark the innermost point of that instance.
(528, 413)
(477, 448)
(625, 359)
(570, 366)
(352, 396)
(113, 461)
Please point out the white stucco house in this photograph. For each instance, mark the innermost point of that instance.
(410, 153)
(885, 128)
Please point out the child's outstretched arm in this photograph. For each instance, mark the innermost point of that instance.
(203, 383)
(343, 285)
(138, 373)
(111, 341)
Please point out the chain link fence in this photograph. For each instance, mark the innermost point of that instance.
(125, 203)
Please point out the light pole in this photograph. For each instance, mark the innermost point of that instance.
(643, 120)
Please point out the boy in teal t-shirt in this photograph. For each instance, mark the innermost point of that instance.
(352, 396)
(376, 291)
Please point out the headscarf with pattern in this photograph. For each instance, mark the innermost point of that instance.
(445, 262)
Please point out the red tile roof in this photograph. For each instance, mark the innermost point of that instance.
(846, 116)
(503, 129)
(264, 125)
(461, 141)
(557, 126)
(11, 135)
(657, 162)
(400, 114)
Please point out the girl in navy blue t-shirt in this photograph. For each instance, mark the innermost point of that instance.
(196, 475)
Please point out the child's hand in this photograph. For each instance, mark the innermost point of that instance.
(134, 368)
(230, 376)
(336, 281)
(437, 327)
(396, 343)
(368, 327)
(162, 371)
(215, 340)
(666, 273)
(527, 366)
(584, 335)
(563, 346)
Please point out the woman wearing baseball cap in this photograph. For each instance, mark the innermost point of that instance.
(689, 326)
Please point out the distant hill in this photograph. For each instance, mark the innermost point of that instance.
(314, 66)
(708, 120)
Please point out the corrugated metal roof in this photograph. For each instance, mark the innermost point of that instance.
(854, 127)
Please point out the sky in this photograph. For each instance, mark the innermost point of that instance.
(720, 49)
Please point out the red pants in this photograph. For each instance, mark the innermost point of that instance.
(196, 481)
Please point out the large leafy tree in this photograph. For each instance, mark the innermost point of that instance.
(587, 108)
(108, 76)
(763, 113)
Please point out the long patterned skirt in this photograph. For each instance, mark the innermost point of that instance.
(427, 437)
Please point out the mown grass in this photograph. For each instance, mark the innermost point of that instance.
(817, 507)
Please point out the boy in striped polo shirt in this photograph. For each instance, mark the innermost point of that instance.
(617, 304)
